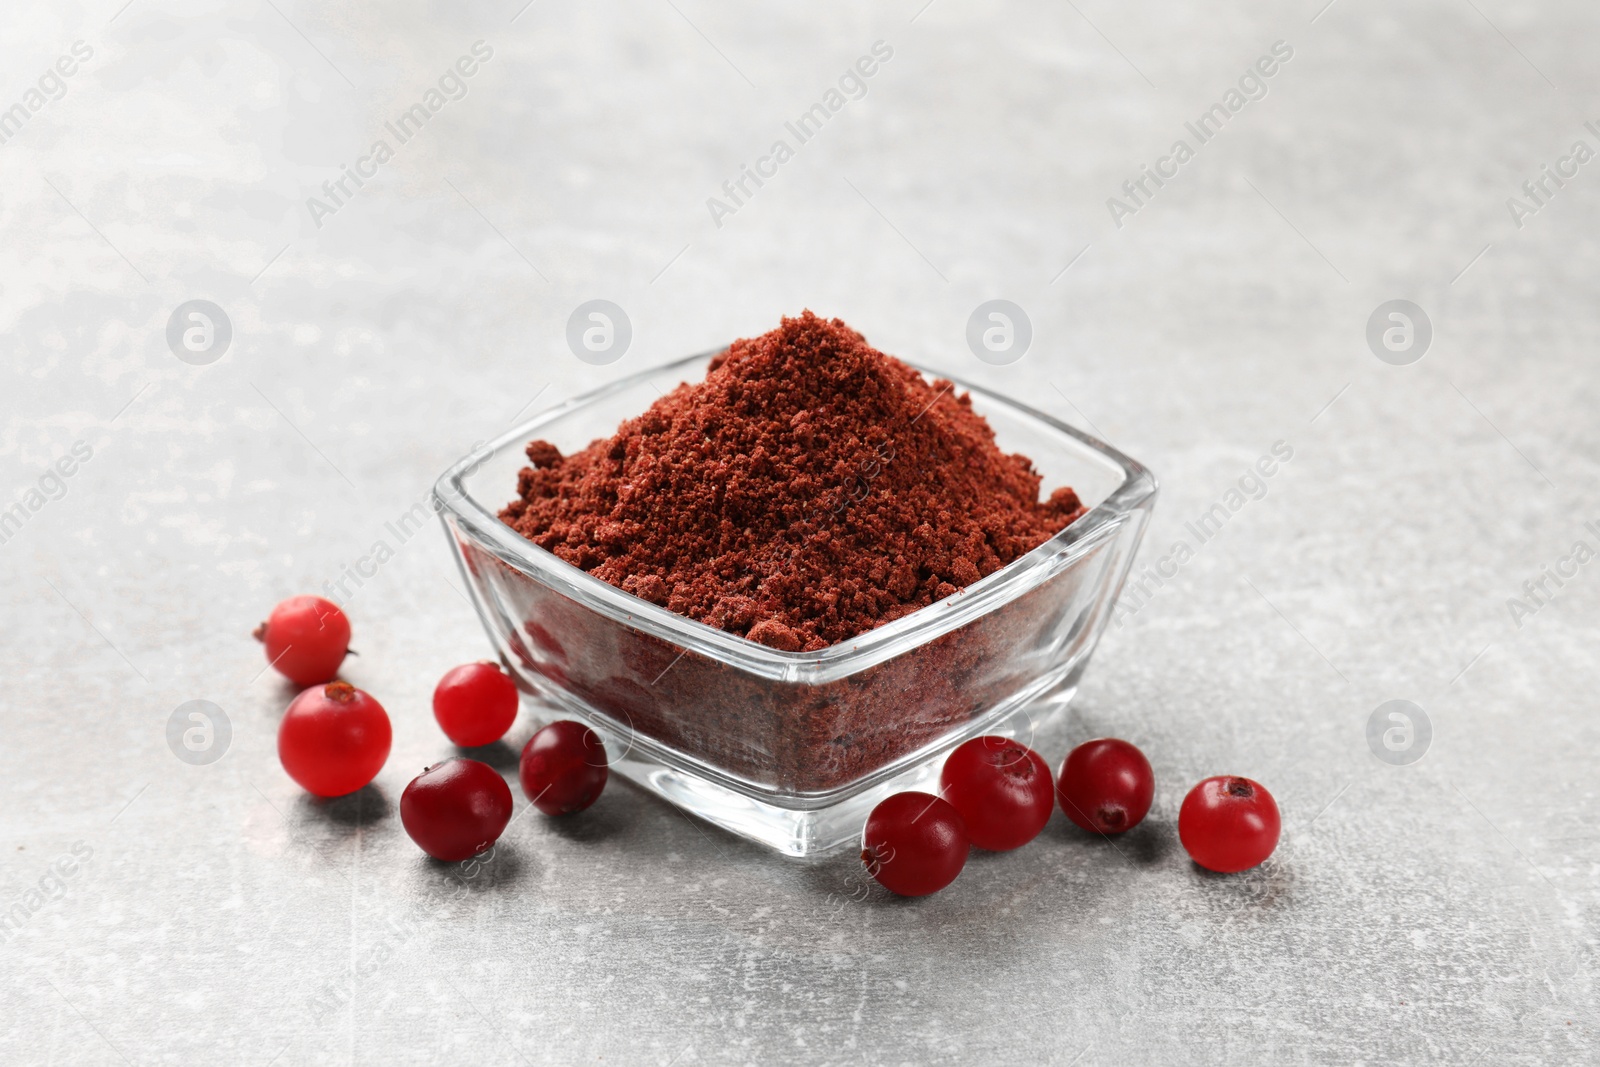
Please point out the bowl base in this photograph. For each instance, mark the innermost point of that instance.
(817, 830)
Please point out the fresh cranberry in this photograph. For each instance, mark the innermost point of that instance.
(306, 638)
(914, 844)
(456, 809)
(1228, 824)
(563, 768)
(334, 739)
(475, 704)
(1106, 786)
(1003, 790)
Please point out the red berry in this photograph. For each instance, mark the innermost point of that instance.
(1228, 824)
(475, 704)
(1106, 786)
(456, 809)
(914, 844)
(334, 739)
(1003, 790)
(563, 768)
(306, 638)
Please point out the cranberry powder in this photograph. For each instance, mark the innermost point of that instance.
(810, 489)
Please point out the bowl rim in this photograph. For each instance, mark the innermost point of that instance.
(1134, 494)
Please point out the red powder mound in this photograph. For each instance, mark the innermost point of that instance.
(810, 489)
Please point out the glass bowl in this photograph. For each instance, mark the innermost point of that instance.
(793, 749)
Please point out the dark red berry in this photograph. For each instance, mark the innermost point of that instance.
(563, 768)
(1228, 824)
(914, 844)
(475, 704)
(1106, 786)
(1003, 790)
(456, 809)
(306, 638)
(334, 739)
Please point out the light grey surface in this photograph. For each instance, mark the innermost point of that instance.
(1441, 912)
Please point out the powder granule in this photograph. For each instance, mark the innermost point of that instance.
(808, 490)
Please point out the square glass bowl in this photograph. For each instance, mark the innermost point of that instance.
(794, 749)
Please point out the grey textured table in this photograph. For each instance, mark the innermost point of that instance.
(158, 911)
